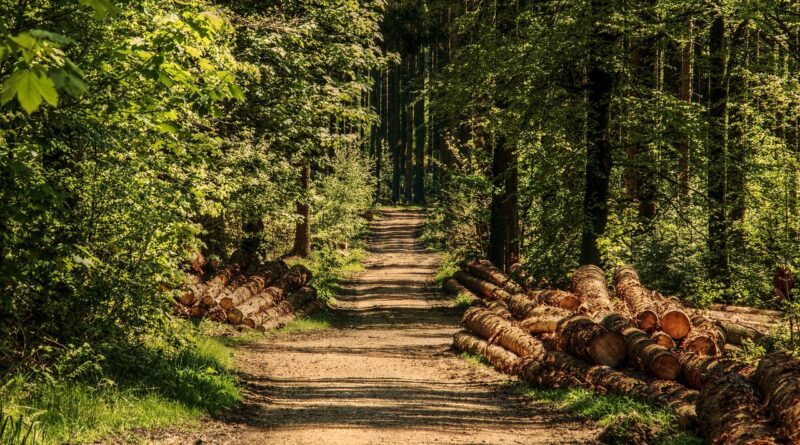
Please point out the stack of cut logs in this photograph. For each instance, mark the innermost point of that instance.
(264, 299)
(637, 343)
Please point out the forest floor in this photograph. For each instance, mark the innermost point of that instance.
(383, 372)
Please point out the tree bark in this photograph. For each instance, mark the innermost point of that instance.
(588, 340)
(503, 224)
(631, 291)
(686, 92)
(302, 234)
(598, 156)
(395, 129)
(717, 194)
(778, 377)
(646, 352)
(420, 133)
(589, 284)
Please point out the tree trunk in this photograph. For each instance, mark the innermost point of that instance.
(686, 92)
(395, 129)
(302, 234)
(557, 298)
(504, 225)
(420, 133)
(598, 156)
(717, 195)
(488, 272)
(697, 370)
(408, 111)
(672, 314)
(487, 325)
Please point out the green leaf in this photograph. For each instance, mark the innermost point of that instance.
(24, 40)
(51, 36)
(28, 92)
(101, 7)
(31, 88)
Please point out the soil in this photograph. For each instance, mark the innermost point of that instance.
(384, 373)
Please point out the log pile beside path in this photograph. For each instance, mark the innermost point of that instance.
(635, 342)
(264, 299)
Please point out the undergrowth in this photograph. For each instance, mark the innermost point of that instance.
(85, 393)
(625, 420)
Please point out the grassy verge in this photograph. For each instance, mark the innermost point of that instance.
(112, 391)
(625, 420)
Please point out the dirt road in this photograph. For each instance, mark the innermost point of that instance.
(385, 373)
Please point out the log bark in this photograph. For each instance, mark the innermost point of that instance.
(778, 377)
(560, 369)
(589, 284)
(672, 316)
(737, 333)
(704, 338)
(215, 286)
(487, 271)
(747, 310)
(264, 300)
(295, 278)
(651, 357)
(729, 414)
(495, 329)
(500, 308)
(588, 340)
(480, 287)
(697, 370)
(252, 287)
(500, 358)
(557, 298)
(663, 339)
(453, 286)
(542, 319)
(630, 290)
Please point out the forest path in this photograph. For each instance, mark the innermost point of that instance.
(384, 373)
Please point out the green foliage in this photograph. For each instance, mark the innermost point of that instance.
(89, 394)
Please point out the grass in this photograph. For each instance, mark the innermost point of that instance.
(315, 322)
(625, 420)
(141, 386)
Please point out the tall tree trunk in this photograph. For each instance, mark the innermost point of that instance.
(737, 145)
(409, 133)
(687, 76)
(503, 224)
(302, 234)
(718, 97)
(598, 156)
(395, 126)
(420, 133)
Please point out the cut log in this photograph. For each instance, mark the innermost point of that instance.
(705, 338)
(589, 284)
(748, 310)
(728, 413)
(251, 287)
(557, 298)
(697, 370)
(663, 339)
(487, 271)
(500, 308)
(588, 340)
(482, 288)
(561, 369)
(543, 319)
(264, 300)
(216, 314)
(778, 377)
(489, 326)
(557, 369)
(500, 358)
(738, 333)
(453, 286)
(630, 290)
(296, 277)
(215, 286)
(672, 316)
(651, 357)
